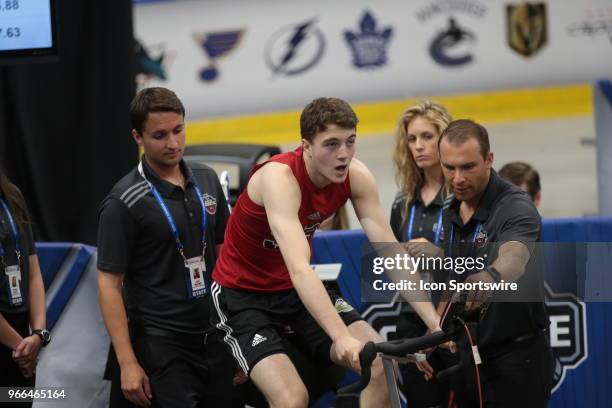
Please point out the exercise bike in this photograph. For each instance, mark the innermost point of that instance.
(408, 351)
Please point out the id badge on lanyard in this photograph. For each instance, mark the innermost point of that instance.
(195, 268)
(12, 272)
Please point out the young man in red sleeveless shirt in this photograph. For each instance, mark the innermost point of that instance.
(263, 281)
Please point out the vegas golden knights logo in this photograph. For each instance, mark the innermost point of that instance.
(526, 27)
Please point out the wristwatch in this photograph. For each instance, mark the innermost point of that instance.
(44, 335)
(494, 273)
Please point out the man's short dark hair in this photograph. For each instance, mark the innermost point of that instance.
(519, 173)
(321, 112)
(461, 130)
(150, 100)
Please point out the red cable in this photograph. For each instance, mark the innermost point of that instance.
(475, 365)
(446, 309)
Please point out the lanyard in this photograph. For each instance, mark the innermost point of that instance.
(171, 223)
(14, 231)
(452, 236)
(411, 223)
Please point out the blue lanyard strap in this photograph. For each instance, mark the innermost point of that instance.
(411, 224)
(170, 219)
(14, 230)
(452, 236)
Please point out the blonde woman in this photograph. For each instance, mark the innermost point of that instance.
(416, 216)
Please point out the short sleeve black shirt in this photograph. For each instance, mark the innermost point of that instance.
(134, 239)
(505, 213)
(425, 221)
(26, 247)
(424, 225)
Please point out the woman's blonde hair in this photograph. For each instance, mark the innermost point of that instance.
(407, 175)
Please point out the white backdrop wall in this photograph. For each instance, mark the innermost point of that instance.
(229, 57)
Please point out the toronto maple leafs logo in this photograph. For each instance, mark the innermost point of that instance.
(369, 46)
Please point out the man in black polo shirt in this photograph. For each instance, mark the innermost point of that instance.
(493, 219)
(160, 230)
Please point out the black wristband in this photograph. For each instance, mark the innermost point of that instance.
(494, 273)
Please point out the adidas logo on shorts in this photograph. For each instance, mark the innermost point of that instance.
(258, 338)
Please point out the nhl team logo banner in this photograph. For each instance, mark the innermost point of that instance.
(526, 26)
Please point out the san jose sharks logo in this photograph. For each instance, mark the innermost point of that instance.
(294, 49)
(369, 45)
(216, 45)
(152, 62)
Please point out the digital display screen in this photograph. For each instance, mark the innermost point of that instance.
(27, 28)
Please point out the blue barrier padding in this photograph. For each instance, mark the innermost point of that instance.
(606, 88)
(51, 256)
(588, 385)
(69, 284)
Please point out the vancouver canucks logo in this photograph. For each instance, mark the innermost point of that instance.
(450, 46)
(369, 45)
(216, 45)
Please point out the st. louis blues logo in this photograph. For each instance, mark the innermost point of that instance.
(294, 49)
(216, 45)
(449, 46)
(369, 46)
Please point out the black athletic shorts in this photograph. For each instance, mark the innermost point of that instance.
(254, 324)
(345, 310)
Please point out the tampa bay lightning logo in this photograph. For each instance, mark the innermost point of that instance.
(295, 49)
(216, 45)
(369, 46)
(450, 47)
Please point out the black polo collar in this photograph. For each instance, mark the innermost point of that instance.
(438, 200)
(164, 187)
(484, 205)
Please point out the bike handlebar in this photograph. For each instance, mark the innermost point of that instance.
(396, 348)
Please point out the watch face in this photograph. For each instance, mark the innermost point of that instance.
(45, 336)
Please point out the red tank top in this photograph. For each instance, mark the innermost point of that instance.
(250, 258)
